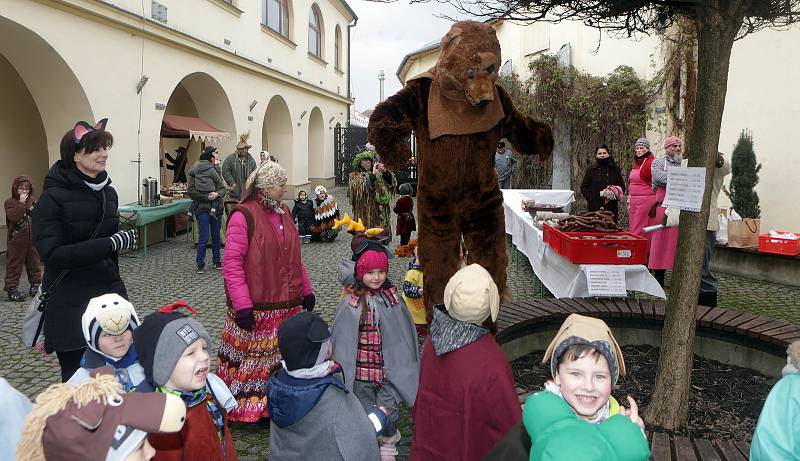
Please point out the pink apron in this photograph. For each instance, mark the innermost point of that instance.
(641, 199)
(662, 242)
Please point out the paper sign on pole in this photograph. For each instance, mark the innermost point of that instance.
(685, 188)
(605, 281)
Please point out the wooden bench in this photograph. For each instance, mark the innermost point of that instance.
(518, 317)
(664, 447)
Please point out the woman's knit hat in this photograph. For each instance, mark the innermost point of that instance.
(109, 313)
(320, 189)
(581, 330)
(642, 142)
(161, 340)
(370, 260)
(266, 175)
(672, 141)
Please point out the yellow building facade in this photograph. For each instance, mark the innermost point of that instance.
(277, 69)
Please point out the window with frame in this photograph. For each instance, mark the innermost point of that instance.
(276, 16)
(315, 32)
(337, 58)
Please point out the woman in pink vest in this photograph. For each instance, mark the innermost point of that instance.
(664, 241)
(265, 283)
(642, 198)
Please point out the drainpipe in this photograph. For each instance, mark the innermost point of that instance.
(349, 26)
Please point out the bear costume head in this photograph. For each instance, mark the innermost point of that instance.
(469, 63)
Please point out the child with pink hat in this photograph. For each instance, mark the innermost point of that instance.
(375, 342)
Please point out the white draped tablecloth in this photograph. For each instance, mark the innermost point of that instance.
(563, 278)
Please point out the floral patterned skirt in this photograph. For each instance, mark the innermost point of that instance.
(246, 358)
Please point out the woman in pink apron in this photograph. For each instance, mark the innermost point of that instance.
(642, 197)
(664, 241)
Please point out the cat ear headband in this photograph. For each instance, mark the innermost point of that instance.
(81, 128)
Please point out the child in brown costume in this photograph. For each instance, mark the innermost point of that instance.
(21, 252)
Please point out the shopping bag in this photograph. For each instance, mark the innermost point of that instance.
(743, 233)
(722, 233)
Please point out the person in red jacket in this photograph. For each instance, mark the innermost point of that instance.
(404, 208)
(466, 400)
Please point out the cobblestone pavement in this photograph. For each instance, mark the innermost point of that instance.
(168, 274)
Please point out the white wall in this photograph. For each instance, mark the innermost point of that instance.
(762, 97)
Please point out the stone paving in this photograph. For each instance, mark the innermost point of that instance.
(168, 274)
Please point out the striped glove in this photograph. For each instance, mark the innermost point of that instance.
(124, 240)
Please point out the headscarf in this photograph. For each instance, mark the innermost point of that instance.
(265, 176)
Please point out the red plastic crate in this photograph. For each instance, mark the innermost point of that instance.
(781, 246)
(599, 250)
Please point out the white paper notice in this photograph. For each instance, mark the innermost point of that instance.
(685, 187)
(605, 280)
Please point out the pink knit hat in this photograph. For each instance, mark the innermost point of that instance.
(672, 141)
(370, 260)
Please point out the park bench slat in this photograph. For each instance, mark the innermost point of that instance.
(789, 337)
(659, 309)
(684, 450)
(566, 304)
(729, 451)
(623, 307)
(706, 450)
(534, 311)
(611, 306)
(732, 324)
(659, 447)
(711, 315)
(517, 311)
(635, 307)
(553, 309)
(602, 308)
(557, 304)
(508, 314)
(647, 308)
(755, 332)
(781, 330)
(701, 311)
(503, 323)
(723, 319)
(743, 447)
(771, 335)
(543, 312)
(588, 306)
(745, 327)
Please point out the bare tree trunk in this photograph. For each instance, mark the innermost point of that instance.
(669, 407)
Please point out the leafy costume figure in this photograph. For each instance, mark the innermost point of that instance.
(371, 194)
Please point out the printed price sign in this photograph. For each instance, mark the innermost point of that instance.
(605, 280)
(685, 188)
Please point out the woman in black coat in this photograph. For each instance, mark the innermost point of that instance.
(76, 205)
(601, 175)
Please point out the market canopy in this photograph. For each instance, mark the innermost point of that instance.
(178, 126)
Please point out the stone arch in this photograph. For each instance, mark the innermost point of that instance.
(277, 134)
(47, 99)
(200, 95)
(316, 145)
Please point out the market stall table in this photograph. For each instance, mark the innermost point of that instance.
(136, 215)
(563, 278)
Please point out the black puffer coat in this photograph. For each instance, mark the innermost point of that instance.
(64, 219)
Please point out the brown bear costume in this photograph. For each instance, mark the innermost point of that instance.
(458, 112)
